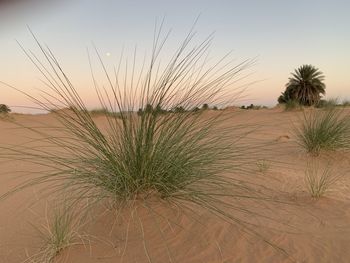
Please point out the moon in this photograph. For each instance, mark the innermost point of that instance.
(108, 54)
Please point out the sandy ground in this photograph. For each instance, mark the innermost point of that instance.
(311, 230)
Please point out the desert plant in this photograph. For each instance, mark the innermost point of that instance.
(205, 106)
(179, 109)
(149, 109)
(318, 180)
(262, 165)
(58, 233)
(195, 109)
(330, 103)
(182, 159)
(253, 107)
(327, 129)
(4, 108)
(250, 107)
(305, 86)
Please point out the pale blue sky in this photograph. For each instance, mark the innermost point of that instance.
(282, 34)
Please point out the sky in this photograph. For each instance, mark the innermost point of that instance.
(280, 35)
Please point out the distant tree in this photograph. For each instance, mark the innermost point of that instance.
(158, 109)
(205, 106)
(179, 109)
(305, 86)
(4, 108)
(281, 99)
(139, 112)
(215, 108)
(148, 108)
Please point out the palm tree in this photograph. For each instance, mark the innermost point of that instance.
(305, 86)
(4, 108)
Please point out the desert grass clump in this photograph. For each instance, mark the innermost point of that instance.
(330, 103)
(59, 232)
(319, 180)
(327, 130)
(184, 157)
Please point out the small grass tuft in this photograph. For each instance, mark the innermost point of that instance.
(327, 129)
(58, 233)
(262, 165)
(318, 180)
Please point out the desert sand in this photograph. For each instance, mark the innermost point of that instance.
(312, 230)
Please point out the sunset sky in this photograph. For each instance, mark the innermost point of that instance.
(282, 35)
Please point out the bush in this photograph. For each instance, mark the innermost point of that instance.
(253, 107)
(324, 130)
(4, 108)
(179, 109)
(195, 109)
(150, 109)
(205, 106)
(330, 103)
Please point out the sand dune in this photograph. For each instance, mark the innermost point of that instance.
(307, 230)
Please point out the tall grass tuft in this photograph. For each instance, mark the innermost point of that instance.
(187, 158)
(327, 130)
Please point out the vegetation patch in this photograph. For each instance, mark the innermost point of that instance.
(319, 180)
(327, 129)
(4, 108)
(305, 86)
(158, 148)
